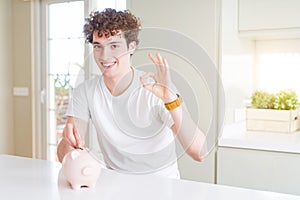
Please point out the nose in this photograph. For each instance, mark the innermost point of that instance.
(106, 53)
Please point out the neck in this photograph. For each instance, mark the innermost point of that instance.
(119, 85)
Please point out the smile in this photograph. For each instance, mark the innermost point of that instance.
(108, 65)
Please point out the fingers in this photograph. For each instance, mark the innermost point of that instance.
(152, 58)
(165, 62)
(160, 62)
(144, 80)
(71, 135)
(68, 134)
(77, 138)
(161, 77)
(157, 60)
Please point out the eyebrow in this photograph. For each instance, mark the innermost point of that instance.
(113, 42)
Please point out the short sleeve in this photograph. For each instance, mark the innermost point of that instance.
(78, 104)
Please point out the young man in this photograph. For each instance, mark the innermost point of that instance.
(136, 120)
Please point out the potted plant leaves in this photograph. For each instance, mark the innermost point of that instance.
(273, 112)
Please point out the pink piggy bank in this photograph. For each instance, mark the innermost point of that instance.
(80, 169)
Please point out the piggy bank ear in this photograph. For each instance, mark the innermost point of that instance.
(74, 154)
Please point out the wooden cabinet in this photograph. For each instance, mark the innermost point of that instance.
(261, 19)
(256, 169)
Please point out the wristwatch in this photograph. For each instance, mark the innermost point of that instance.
(174, 104)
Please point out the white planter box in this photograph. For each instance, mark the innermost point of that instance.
(285, 121)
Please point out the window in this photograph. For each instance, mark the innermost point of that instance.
(278, 65)
(65, 63)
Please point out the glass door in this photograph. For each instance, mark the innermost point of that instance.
(64, 65)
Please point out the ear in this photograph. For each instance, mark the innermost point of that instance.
(132, 47)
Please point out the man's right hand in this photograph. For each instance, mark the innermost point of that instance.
(71, 136)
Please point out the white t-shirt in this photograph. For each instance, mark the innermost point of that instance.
(133, 129)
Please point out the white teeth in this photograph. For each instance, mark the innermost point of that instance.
(108, 64)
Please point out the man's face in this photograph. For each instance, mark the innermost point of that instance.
(111, 54)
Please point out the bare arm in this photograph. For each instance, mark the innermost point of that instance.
(192, 139)
(189, 135)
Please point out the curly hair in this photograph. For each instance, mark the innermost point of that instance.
(109, 22)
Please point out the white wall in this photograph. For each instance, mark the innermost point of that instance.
(237, 61)
(6, 79)
(22, 69)
(197, 20)
(15, 70)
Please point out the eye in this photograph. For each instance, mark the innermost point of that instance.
(97, 46)
(114, 46)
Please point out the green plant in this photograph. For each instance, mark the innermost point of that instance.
(283, 100)
(286, 100)
(262, 100)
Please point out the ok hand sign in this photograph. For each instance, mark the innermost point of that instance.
(162, 81)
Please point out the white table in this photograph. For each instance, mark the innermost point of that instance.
(25, 178)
